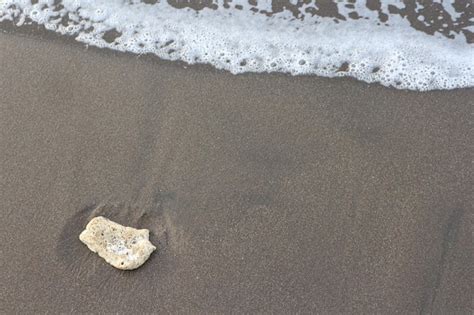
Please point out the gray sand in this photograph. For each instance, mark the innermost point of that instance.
(263, 193)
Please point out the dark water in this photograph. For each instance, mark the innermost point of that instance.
(427, 16)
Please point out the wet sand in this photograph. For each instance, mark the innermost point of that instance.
(264, 193)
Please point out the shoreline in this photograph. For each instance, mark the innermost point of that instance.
(40, 32)
(264, 192)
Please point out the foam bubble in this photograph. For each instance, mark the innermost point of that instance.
(352, 41)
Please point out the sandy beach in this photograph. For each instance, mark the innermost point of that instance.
(263, 192)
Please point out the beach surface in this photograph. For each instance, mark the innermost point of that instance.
(262, 192)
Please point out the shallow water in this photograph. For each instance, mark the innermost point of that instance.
(418, 45)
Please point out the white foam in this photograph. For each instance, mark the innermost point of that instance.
(240, 40)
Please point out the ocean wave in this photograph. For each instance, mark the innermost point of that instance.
(407, 45)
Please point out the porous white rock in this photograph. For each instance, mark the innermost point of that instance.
(123, 247)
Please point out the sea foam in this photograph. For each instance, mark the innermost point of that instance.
(353, 39)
